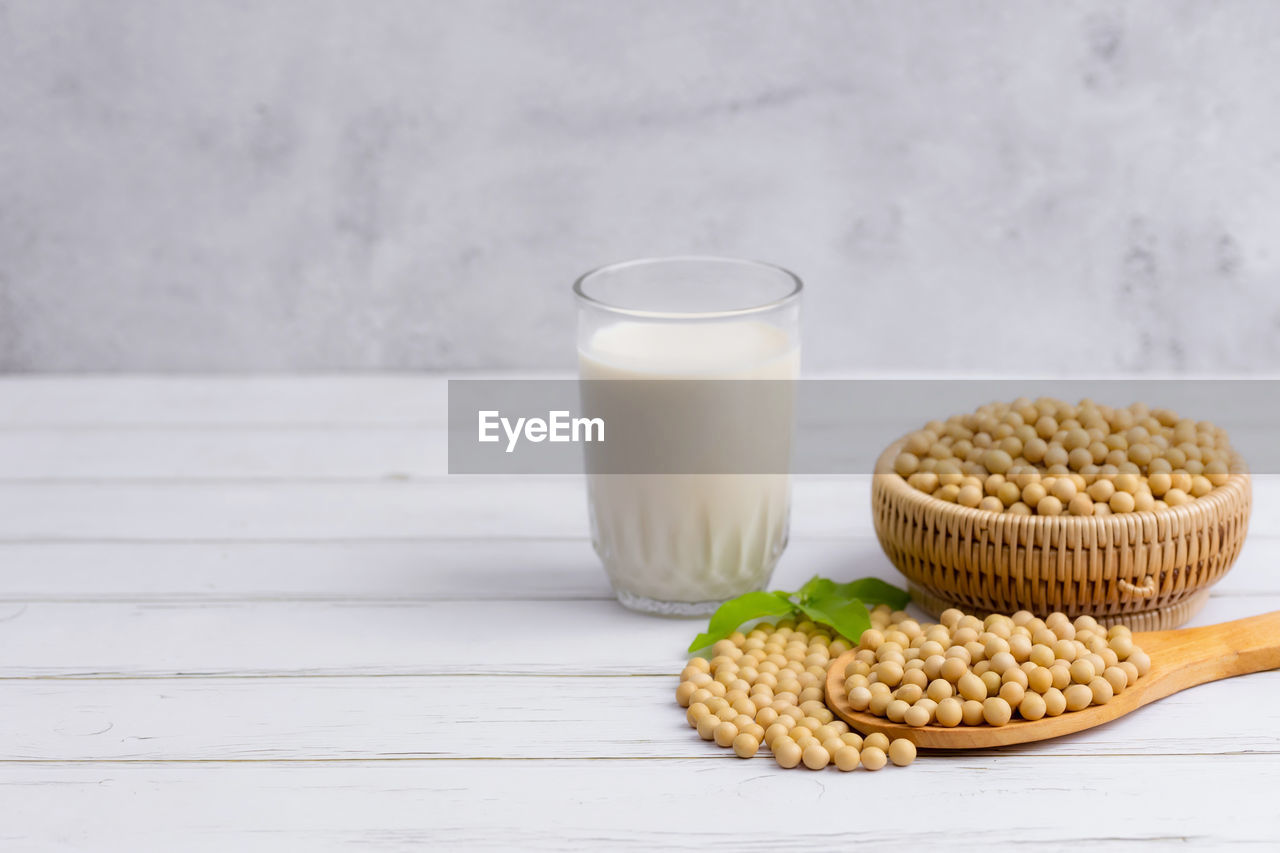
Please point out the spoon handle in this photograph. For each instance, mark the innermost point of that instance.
(1192, 656)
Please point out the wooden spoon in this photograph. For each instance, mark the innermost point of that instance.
(1179, 659)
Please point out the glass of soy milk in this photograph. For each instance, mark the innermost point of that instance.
(681, 541)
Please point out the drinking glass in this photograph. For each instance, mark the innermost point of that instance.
(682, 542)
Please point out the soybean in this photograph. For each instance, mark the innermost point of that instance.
(1090, 460)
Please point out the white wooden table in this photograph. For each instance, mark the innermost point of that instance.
(257, 614)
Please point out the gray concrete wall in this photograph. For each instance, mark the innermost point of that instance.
(301, 185)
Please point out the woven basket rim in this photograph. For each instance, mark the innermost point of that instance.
(1197, 512)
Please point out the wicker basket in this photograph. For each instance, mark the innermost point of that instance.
(1149, 570)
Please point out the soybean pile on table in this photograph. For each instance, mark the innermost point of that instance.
(767, 686)
(1049, 457)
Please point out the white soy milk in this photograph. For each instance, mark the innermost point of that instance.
(689, 538)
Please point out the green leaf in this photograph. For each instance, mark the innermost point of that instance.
(731, 614)
(837, 605)
(847, 616)
(873, 591)
(816, 587)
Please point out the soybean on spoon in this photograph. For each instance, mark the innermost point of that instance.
(1179, 659)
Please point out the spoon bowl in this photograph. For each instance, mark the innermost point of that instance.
(1179, 659)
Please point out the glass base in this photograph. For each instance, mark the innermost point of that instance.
(641, 604)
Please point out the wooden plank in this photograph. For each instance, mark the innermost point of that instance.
(1051, 804)
(542, 507)
(149, 401)
(131, 454)
(461, 507)
(298, 719)
(442, 569)
(108, 639)
(424, 570)
(253, 452)
(405, 571)
(231, 453)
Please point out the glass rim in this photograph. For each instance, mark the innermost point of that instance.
(797, 285)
